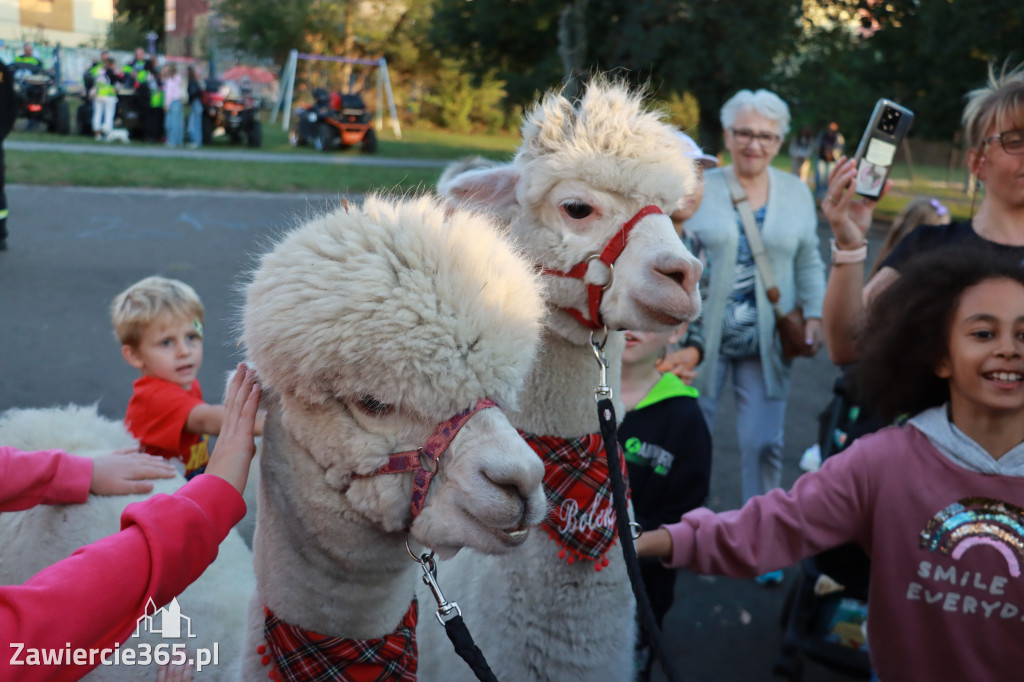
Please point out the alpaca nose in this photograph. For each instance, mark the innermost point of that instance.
(517, 488)
(684, 271)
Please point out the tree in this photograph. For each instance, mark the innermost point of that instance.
(270, 28)
(125, 34)
(930, 54)
(710, 49)
(925, 55)
(517, 42)
(143, 15)
(707, 48)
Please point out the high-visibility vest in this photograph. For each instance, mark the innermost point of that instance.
(25, 59)
(136, 70)
(104, 88)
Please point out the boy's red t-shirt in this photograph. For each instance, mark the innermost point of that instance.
(157, 414)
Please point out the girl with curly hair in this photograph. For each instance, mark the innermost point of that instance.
(938, 503)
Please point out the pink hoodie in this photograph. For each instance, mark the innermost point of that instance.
(946, 543)
(93, 599)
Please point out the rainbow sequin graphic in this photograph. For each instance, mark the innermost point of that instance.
(974, 521)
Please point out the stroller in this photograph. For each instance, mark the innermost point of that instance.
(827, 627)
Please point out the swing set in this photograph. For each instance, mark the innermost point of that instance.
(284, 100)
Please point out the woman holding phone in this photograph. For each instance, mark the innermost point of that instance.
(993, 122)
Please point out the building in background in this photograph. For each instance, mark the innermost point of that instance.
(70, 23)
(185, 27)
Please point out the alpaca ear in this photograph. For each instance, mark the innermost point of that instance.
(491, 187)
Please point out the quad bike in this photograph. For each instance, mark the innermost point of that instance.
(232, 109)
(335, 121)
(38, 97)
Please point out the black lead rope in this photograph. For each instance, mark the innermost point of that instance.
(454, 626)
(606, 419)
(468, 650)
(606, 415)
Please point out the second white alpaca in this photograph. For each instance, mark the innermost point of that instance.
(590, 177)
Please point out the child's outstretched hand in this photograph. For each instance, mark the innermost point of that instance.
(125, 472)
(235, 446)
(655, 542)
(682, 363)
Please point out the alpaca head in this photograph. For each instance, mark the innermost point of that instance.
(370, 327)
(582, 172)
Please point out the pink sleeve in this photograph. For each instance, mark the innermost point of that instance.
(94, 598)
(823, 509)
(44, 477)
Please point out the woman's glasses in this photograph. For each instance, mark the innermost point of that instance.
(1011, 140)
(745, 137)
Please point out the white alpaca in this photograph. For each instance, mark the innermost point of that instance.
(370, 327)
(581, 174)
(31, 540)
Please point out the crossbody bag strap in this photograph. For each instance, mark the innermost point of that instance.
(757, 250)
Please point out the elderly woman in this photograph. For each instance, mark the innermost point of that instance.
(739, 321)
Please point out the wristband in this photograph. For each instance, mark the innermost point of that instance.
(844, 256)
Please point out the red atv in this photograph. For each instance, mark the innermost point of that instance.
(334, 121)
(230, 110)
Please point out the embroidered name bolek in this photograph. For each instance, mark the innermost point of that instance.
(593, 519)
(578, 489)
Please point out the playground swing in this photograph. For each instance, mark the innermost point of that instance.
(284, 101)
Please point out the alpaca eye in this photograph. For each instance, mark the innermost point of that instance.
(577, 210)
(374, 407)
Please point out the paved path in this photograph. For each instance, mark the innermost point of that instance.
(226, 154)
(73, 249)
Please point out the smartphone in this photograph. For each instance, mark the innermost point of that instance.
(888, 126)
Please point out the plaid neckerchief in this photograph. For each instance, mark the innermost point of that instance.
(581, 518)
(302, 656)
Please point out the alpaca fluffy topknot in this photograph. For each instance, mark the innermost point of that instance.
(396, 300)
(624, 146)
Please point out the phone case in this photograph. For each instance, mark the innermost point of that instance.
(886, 129)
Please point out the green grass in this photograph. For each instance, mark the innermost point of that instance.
(55, 168)
(414, 143)
(932, 181)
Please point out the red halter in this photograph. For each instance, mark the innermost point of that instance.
(610, 254)
(424, 461)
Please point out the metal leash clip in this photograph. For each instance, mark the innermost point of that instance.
(445, 608)
(603, 390)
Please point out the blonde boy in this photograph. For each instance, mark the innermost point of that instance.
(159, 322)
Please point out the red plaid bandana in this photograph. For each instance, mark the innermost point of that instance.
(302, 656)
(581, 517)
